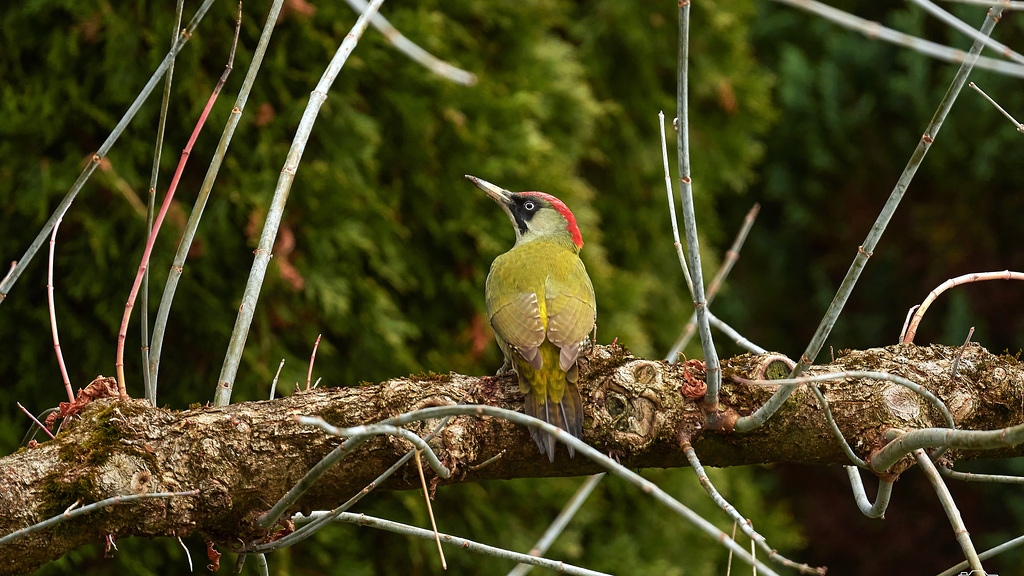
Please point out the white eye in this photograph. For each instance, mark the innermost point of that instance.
(529, 206)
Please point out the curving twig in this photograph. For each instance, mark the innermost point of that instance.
(745, 525)
(413, 51)
(911, 331)
(877, 509)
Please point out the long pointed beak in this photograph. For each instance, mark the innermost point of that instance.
(498, 194)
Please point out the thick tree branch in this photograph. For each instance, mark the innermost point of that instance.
(243, 457)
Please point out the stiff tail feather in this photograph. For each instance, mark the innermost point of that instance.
(567, 415)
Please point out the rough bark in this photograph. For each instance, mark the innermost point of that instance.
(245, 456)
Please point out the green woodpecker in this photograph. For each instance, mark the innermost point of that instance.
(541, 304)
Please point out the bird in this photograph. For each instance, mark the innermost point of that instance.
(540, 302)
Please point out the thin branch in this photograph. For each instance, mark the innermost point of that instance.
(312, 358)
(414, 52)
(672, 208)
(53, 312)
(144, 264)
(932, 398)
(731, 256)
(905, 443)
(94, 161)
(368, 431)
(88, 509)
(972, 477)
(232, 358)
(35, 420)
(177, 267)
(1008, 4)
(877, 509)
(965, 279)
(994, 551)
(151, 208)
(952, 512)
(714, 370)
(1020, 127)
(731, 332)
(836, 432)
(967, 29)
(745, 524)
(430, 509)
(463, 543)
(747, 423)
(560, 522)
(874, 30)
(271, 516)
(273, 385)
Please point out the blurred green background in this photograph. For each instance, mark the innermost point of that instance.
(384, 246)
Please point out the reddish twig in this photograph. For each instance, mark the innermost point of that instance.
(53, 311)
(38, 423)
(908, 338)
(312, 358)
(122, 334)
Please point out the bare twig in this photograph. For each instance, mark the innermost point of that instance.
(372, 522)
(38, 423)
(714, 370)
(414, 52)
(877, 509)
(952, 512)
(965, 279)
(731, 256)
(88, 509)
(229, 368)
(312, 358)
(53, 312)
(747, 423)
(151, 208)
(560, 522)
(177, 267)
(874, 30)
(144, 264)
(1020, 127)
(430, 509)
(273, 385)
(745, 524)
(94, 161)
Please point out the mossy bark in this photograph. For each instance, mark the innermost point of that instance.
(243, 457)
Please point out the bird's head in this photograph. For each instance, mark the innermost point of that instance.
(535, 215)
